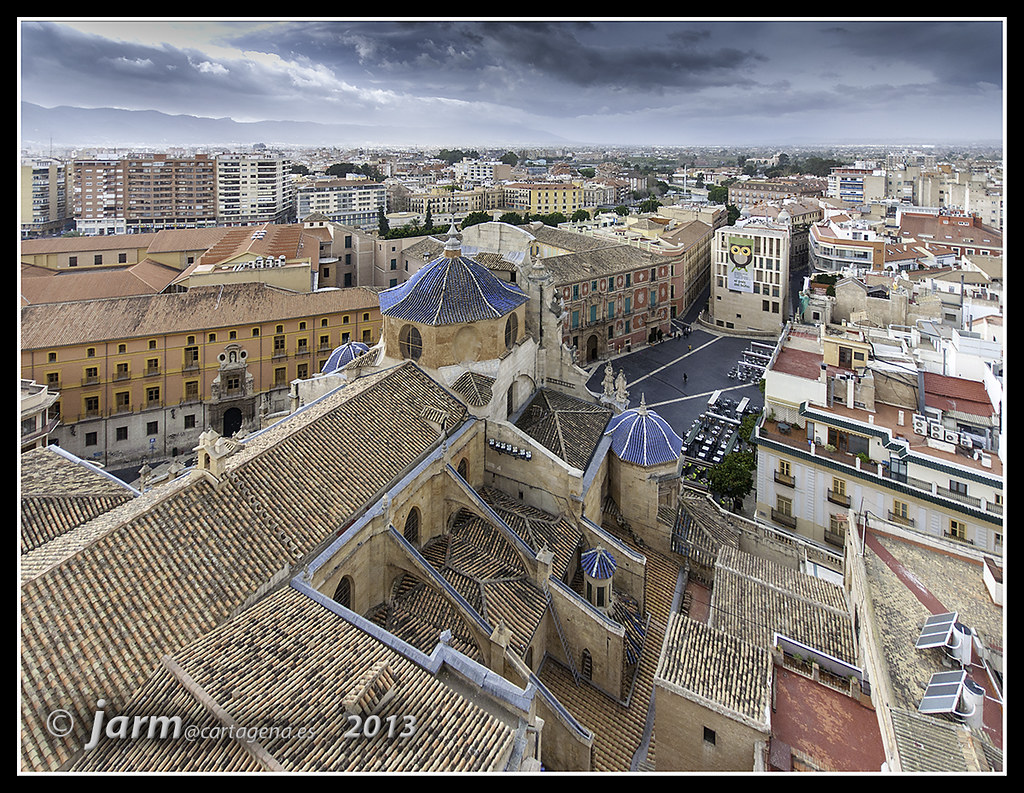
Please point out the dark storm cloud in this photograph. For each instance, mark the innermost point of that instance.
(571, 78)
(954, 53)
(465, 57)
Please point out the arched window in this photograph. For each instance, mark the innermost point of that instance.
(411, 532)
(463, 467)
(343, 594)
(587, 665)
(511, 330)
(410, 344)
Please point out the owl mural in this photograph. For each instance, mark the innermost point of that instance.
(741, 254)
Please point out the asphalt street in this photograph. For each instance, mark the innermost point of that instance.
(655, 373)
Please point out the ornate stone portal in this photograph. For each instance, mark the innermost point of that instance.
(232, 404)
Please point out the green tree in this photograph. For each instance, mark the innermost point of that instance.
(473, 218)
(509, 158)
(718, 194)
(428, 220)
(622, 210)
(383, 227)
(580, 215)
(747, 424)
(650, 205)
(512, 218)
(733, 477)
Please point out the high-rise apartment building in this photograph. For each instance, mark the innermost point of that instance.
(164, 192)
(98, 196)
(252, 189)
(43, 197)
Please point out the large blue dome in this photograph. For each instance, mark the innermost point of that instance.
(643, 437)
(451, 290)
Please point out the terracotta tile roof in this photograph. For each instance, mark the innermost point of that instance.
(418, 614)
(61, 324)
(569, 428)
(148, 277)
(538, 529)
(718, 667)
(98, 242)
(474, 388)
(58, 494)
(290, 663)
(754, 598)
(957, 393)
(159, 572)
(570, 268)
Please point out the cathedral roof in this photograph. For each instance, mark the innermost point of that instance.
(343, 355)
(451, 290)
(643, 437)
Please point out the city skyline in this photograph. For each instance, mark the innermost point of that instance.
(615, 82)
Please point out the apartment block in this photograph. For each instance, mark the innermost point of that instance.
(543, 198)
(749, 192)
(43, 197)
(352, 202)
(750, 277)
(855, 187)
(845, 429)
(164, 192)
(253, 189)
(99, 191)
(481, 171)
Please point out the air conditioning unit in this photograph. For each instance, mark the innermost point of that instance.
(936, 431)
(920, 427)
(965, 441)
(951, 437)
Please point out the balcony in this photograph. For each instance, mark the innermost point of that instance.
(783, 518)
(784, 479)
(841, 499)
(902, 520)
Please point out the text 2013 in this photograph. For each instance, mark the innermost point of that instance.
(393, 726)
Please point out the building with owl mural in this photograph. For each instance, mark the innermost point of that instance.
(750, 276)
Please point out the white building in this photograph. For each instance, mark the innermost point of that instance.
(252, 189)
(351, 202)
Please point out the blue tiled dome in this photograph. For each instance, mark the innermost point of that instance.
(643, 437)
(598, 563)
(451, 290)
(343, 355)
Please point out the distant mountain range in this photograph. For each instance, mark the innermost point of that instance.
(110, 127)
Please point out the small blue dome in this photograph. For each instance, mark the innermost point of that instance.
(343, 355)
(451, 290)
(598, 563)
(643, 437)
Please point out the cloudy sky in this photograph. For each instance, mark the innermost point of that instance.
(644, 81)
